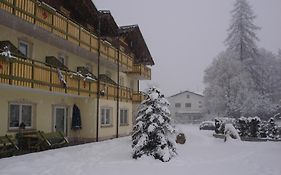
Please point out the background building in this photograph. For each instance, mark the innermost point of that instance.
(186, 107)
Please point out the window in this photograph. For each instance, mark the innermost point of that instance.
(177, 105)
(188, 105)
(105, 116)
(187, 96)
(20, 113)
(24, 48)
(123, 117)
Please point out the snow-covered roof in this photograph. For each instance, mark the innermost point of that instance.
(186, 92)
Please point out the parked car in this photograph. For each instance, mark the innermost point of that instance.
(207, 125)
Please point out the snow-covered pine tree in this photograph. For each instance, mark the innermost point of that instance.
(153, 134)
(242, 38)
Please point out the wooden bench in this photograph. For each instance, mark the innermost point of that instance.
(52, 140)
(8, 145)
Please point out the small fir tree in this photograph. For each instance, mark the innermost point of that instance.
(153, 134)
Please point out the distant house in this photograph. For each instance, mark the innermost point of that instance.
(186, 107)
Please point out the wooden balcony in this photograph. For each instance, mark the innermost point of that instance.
(141, 72)
(33, 74)
(138, 97)
(49, 19)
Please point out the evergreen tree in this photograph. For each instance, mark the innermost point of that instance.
(153, 133)
(242, 38)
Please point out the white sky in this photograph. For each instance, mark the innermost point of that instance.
(184, 36)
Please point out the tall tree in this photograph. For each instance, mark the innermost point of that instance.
(243, 80)
(152, 134)
(242, 38)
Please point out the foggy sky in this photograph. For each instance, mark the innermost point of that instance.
(184, 36)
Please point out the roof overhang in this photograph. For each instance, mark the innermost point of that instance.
(134, 38)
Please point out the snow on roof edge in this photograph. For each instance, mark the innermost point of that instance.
(185, 92)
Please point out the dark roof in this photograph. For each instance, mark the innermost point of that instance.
(134, 38)
(104, 78)
(186, 92)
(109, 27)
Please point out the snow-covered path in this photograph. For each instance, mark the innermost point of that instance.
(202, 154)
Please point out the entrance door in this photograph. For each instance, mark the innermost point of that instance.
(60, 119)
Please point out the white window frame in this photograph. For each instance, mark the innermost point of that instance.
(27, 47)
(108, 121)
(121, 117)
(20, 115)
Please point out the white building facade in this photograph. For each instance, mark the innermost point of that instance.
(186, 107)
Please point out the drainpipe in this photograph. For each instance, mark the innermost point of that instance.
(118, 86)
(98, 88)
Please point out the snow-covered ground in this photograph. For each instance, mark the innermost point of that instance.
(202, 154)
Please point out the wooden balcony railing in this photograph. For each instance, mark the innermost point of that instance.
(37, 75)
(138, 97)
(142, 72)
(44, 16)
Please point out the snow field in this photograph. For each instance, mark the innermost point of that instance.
(202, 154)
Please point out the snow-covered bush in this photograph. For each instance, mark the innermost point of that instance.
(263, 129)
(248, 127)
(254, 125)
(272, 129)
(153, 134)
(242, 126)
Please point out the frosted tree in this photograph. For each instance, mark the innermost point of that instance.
(227, 85)
(243, 80)
(153, 134)
(230, 90)
(242, 38)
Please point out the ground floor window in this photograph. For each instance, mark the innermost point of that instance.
(123, 117)
(20, 114)
(105, 116)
